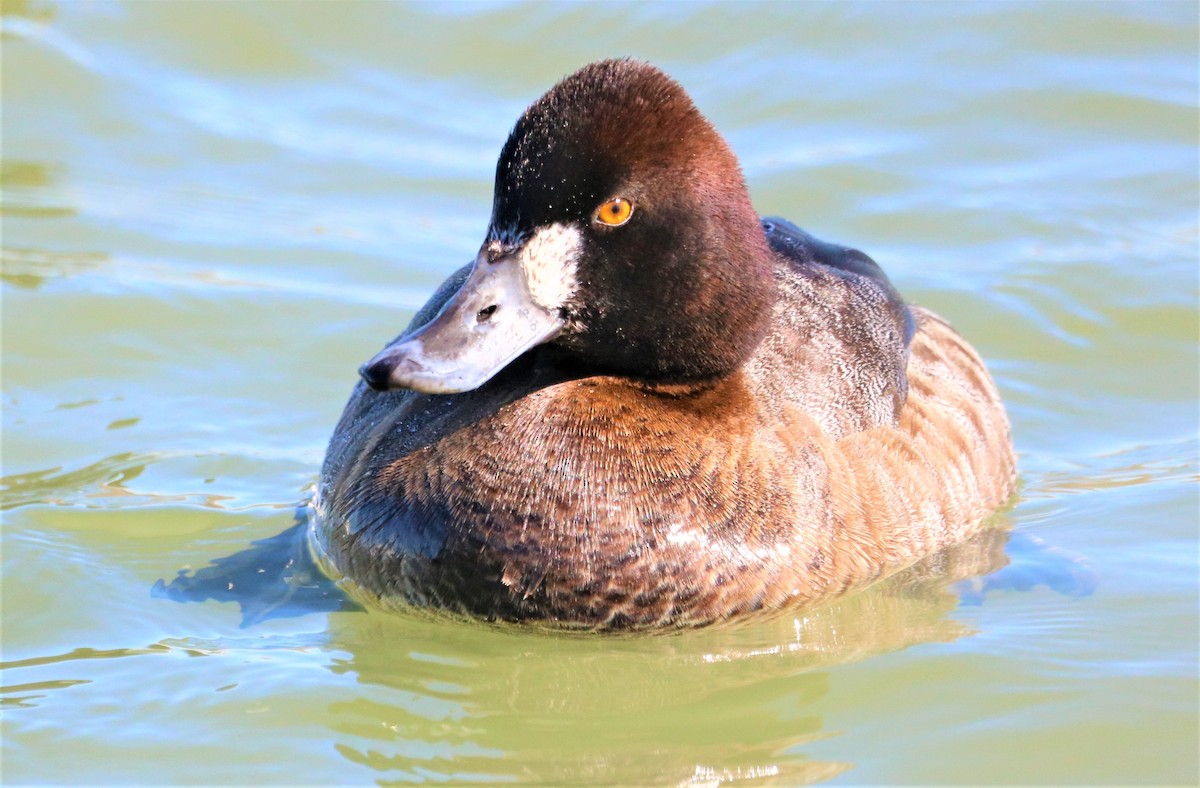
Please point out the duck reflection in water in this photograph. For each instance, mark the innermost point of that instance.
(273, 578)
(787, 651)
(277, 578)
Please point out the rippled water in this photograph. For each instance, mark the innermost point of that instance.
(213, 212)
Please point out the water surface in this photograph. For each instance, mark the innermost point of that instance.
(213, 212)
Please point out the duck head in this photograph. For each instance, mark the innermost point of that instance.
(621, 234)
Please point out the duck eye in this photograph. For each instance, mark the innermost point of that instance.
(614, 213)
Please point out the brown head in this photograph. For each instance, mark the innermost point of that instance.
(621, 233)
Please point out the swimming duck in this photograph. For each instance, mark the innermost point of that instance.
(641, 405)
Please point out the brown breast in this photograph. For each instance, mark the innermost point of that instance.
(599, 503)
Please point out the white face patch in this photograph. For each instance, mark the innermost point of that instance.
(550, 260)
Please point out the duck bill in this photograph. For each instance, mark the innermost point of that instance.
(490, 321)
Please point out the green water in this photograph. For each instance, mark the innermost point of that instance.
(213, 212)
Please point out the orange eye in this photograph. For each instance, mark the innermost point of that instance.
(614, 213)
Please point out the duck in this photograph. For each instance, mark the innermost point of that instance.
(643, 406)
